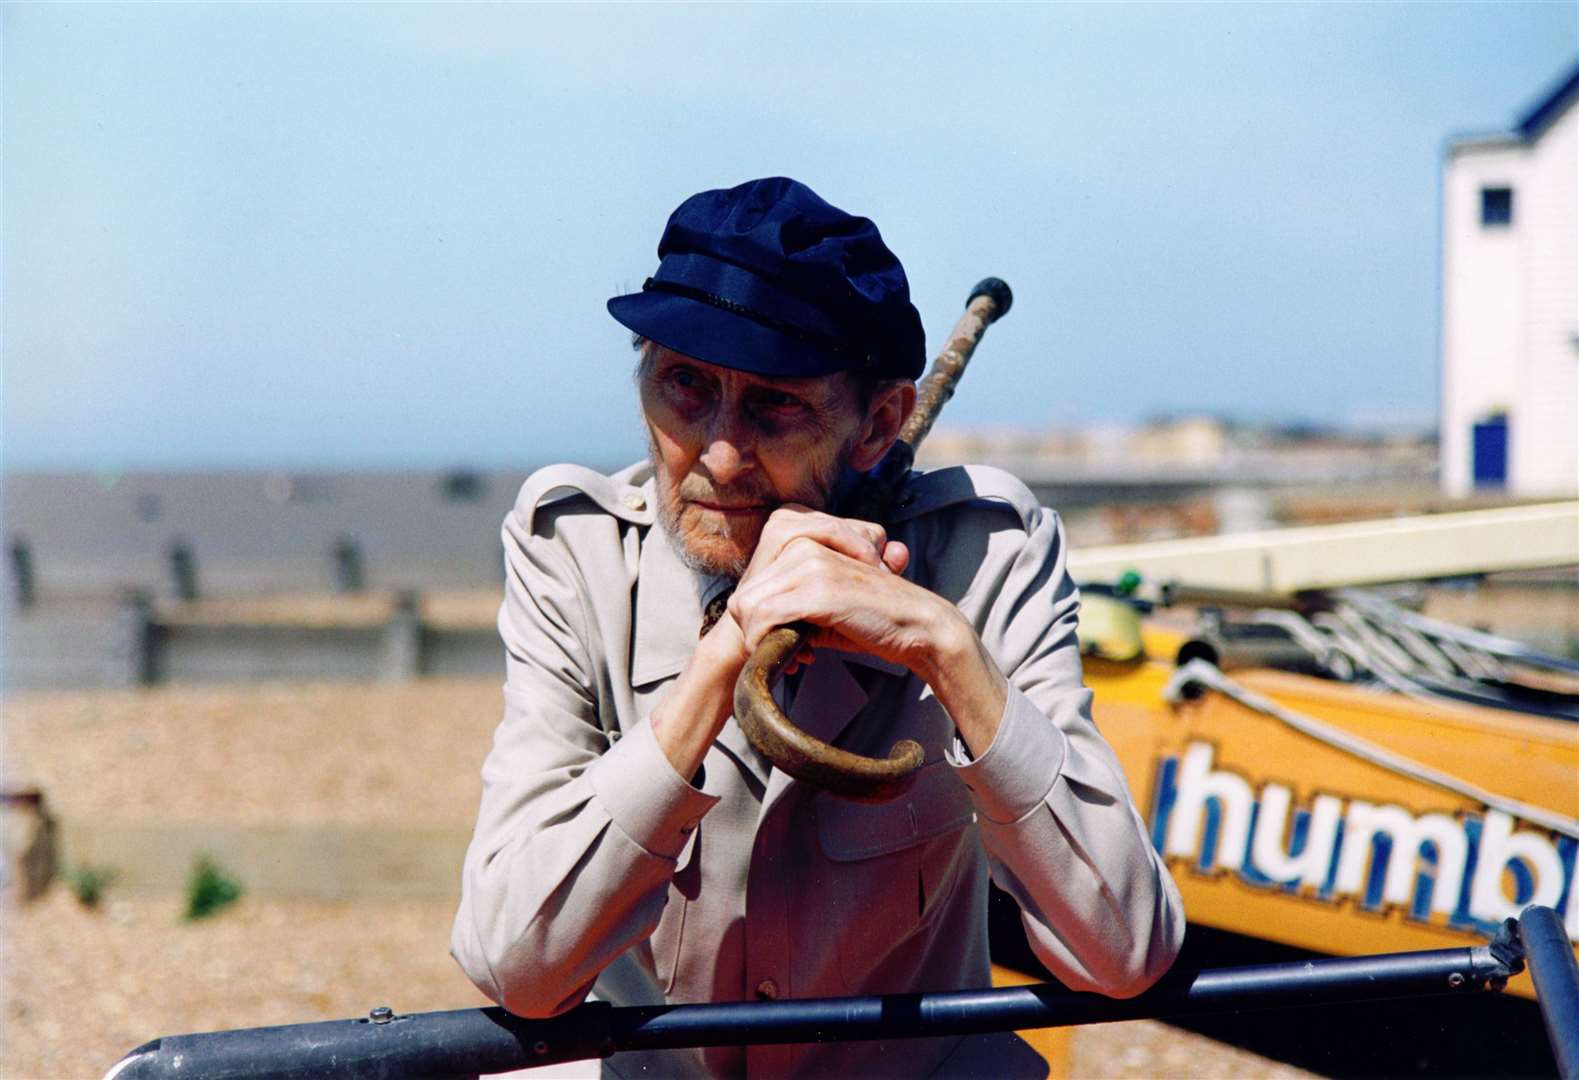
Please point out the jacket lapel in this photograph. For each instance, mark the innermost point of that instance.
(827, 699)
(668, 611)
(668, 620)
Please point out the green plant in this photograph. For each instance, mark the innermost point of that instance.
(89, 882)
(209, 890)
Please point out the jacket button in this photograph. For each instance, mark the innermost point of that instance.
(767, 990)
(635, 501)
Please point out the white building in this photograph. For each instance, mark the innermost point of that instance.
(1510, 304)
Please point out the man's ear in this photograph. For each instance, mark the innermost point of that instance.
(890, 407)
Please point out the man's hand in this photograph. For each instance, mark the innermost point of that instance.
(793, 524)
(863, 541)
(843, 577)
(840, 575)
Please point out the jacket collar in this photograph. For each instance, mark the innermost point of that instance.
(668, 608)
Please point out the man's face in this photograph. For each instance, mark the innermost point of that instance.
(728, 447)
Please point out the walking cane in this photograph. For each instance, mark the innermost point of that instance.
(804, 756)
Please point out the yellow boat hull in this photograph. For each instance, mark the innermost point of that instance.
(1276, 834)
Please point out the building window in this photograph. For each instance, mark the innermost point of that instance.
(1496, 206)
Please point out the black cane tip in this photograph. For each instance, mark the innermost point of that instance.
(998, 291)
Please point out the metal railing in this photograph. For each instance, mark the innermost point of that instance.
(1555, 974)
(469, 1042)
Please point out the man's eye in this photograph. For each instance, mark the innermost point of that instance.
(688, 382)
(775, 399)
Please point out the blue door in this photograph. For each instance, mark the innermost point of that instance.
(1491, 452)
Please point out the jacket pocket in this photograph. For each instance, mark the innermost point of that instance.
(891, 867)
(937, 803)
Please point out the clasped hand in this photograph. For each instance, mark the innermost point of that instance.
(842, 576)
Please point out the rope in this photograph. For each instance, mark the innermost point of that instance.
(1308, 638)
(1199, 672)
(1500, 647)
(1365, 658)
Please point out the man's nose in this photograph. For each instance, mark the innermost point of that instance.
(730, 451)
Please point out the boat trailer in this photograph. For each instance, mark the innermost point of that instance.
(470, 1042)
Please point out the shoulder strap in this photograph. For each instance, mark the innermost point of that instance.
(929, 492)
(620, 495)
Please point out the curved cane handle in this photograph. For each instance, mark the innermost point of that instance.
(806, 757)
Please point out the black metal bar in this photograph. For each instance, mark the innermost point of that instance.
(460, 1043)
(970, 1011)
(1550, 956)
(471, 1041)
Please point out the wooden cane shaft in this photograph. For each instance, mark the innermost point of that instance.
(935, 390)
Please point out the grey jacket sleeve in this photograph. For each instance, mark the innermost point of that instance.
(568, 866)
(1062, 834)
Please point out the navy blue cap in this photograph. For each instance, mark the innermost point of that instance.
(768, 278)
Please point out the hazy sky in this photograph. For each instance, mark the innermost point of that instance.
(366, 235)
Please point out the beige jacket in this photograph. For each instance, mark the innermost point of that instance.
(594, 862)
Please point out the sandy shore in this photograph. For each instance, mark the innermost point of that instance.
(82, 986)
(267, 753)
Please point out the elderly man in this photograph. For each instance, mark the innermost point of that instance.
(632, 844)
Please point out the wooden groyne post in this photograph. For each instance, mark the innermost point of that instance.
(24, 587)
(183, 569)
